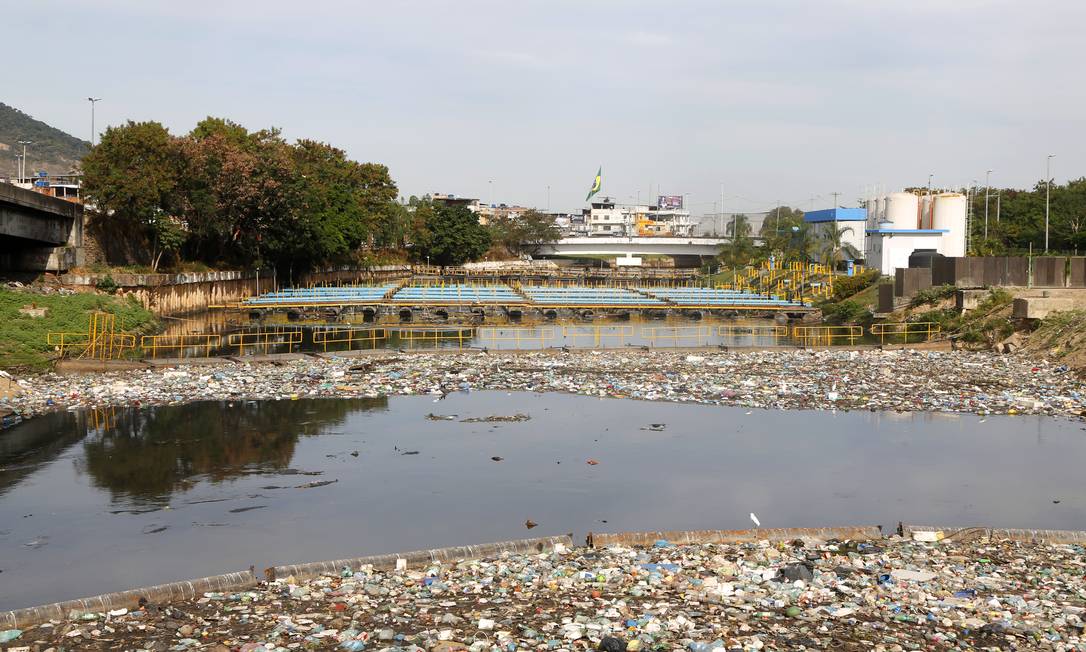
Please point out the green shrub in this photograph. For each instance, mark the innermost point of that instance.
(932, 296)
(846, 312)
(107, 284)
(846, 286)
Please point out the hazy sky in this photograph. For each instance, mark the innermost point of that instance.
(776, 100)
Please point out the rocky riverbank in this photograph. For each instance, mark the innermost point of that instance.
(900, 380)
(888, 594)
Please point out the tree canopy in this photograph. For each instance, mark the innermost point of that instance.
(223, 194)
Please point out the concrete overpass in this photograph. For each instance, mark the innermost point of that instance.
(37, 232)
(633, 246)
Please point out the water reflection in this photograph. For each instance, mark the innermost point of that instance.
(147, 455)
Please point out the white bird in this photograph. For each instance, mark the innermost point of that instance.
(754, 518)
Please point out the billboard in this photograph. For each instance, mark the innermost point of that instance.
(670, 202)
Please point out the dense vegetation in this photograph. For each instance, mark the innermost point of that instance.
(222, 195)
(51, 150)
(23, 339)
(1016, 219)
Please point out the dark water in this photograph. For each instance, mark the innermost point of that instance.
(101, 501)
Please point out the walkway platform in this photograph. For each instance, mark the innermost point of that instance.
(501, 295)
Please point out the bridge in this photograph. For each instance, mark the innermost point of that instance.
(633, 246)
(37, 232)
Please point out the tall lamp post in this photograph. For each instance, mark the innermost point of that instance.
(1048, 193)
(987, 186)
(92, 100)
(22, 168)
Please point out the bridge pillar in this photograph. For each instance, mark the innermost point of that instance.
(39, 233)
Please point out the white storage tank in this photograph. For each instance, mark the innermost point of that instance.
(874, 212)
(927, 202)
(950, 210)
(902, 209)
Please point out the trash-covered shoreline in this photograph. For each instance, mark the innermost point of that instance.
(892, 593)
(892, 380)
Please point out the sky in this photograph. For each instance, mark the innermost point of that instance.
(521, 101)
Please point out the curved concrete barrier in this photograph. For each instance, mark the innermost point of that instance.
(862, 532)
(172, 591)
(420, 557)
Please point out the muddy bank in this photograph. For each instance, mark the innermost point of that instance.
(901, 380)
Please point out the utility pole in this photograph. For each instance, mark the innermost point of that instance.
(548, 199)
(778, 229)
(987, 186)
(835, 199)
(721, 221)
(490, 185)
(1048, 193)
(92, 100)
(999, 196)
(929, 183)
(22, 171)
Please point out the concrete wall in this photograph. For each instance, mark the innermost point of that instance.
(175, 294)
(911, 280)
(981, 271)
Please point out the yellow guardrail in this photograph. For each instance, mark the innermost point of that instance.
(519, 336)
(65, 342)
(754, 331)
(348, 336)
(922, 329)
(826, 335)
(181, 343)
(433, 335)
(675, 333)
(265, 339)
(597, 333)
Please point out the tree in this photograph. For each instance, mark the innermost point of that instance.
(738, 226)
(132, 174)
(526, 233)
(833, 244)
(453, 236)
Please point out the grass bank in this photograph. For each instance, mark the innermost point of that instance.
(23, 337)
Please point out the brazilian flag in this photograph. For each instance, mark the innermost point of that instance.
(596, 184)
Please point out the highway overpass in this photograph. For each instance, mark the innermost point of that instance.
(37, 232)
(633, 246)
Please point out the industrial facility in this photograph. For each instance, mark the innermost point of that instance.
(902, 223)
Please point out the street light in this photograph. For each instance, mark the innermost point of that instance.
(22, 171)
(987, 186)
(1048, 193)
(18, 166)
(92, 100)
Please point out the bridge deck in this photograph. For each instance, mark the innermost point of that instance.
(575, 297)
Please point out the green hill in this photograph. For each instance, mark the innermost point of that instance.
(52, 150)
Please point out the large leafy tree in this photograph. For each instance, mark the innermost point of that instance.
(132, 175)
(525, 233)
(452, 236)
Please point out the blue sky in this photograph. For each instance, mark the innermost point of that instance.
(776, 99)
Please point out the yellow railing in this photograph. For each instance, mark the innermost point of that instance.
(65, 343)
(597, 333)
(425, 336)
(205, 343)
(348, 336)
(776, 332)
(676, 333)
(265, 339)
(827, 335)
(535, 336)
(923, 330)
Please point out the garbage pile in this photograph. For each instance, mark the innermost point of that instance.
(889, 594)
(905, 380)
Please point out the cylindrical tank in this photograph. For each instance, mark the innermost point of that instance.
(926, 203)
(874, 212)
(901, 209)
(949, 214)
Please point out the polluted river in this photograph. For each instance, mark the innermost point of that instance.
(117, 492)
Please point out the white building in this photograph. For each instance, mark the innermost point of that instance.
(606, 218)
(903, 222)
(853, 223)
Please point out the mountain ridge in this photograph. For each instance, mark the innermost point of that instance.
(52, 150)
